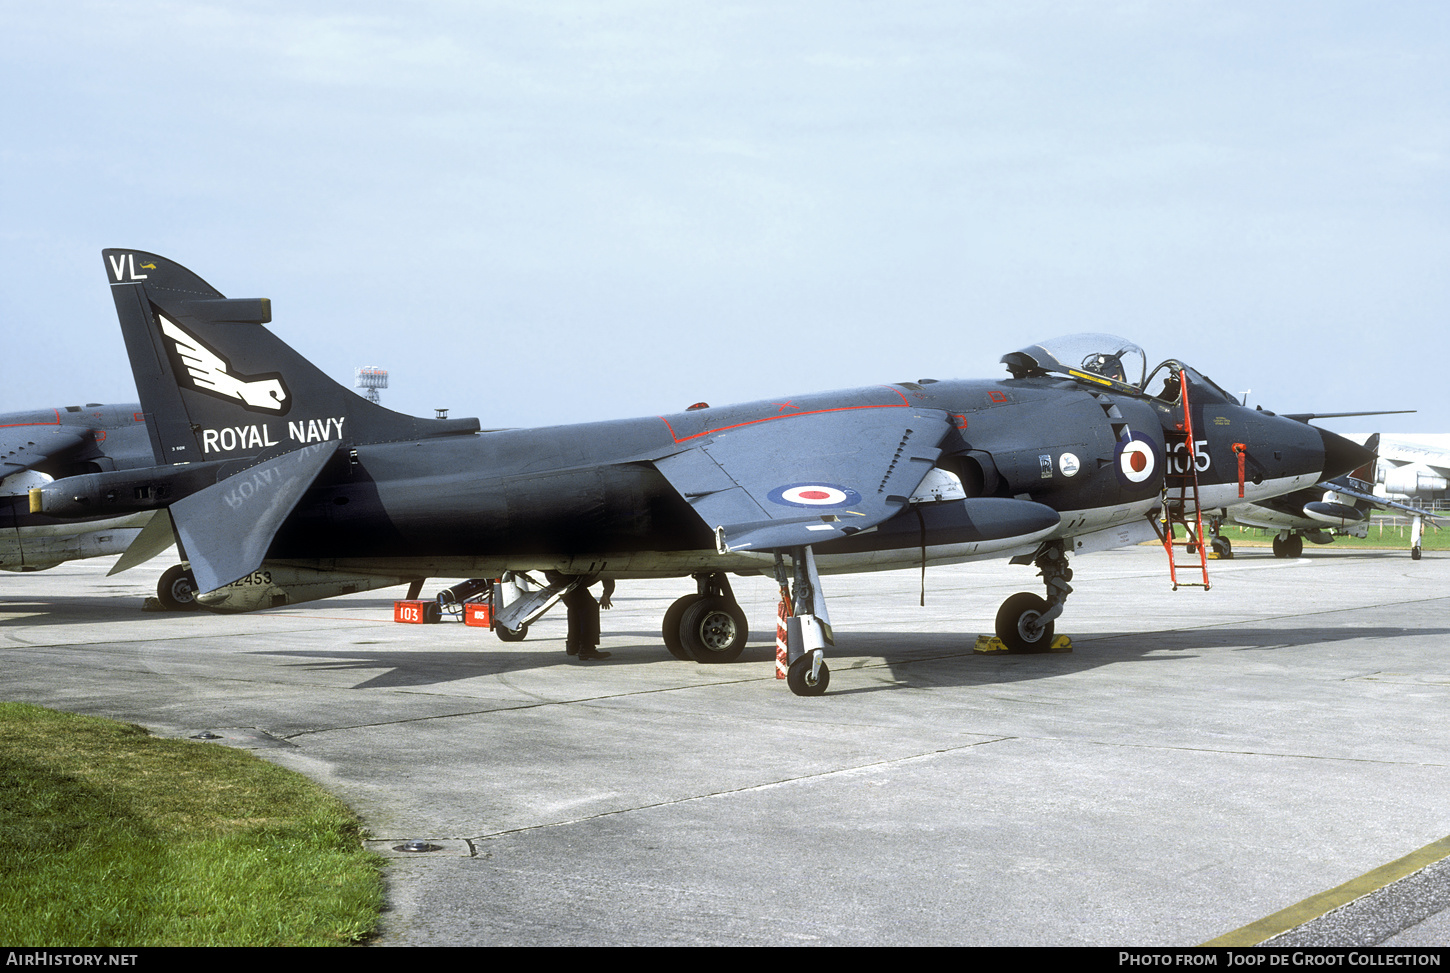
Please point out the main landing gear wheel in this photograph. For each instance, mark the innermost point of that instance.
(1017, 623)
(1292, 546)
(670, 630)
(511, 634)
(800, 681)
(177, 589)
(713, 629)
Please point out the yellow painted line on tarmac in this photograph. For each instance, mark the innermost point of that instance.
(1317, 905)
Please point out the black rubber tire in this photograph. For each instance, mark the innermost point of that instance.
(1223, 548)
(670, 629)
(1014, 613)
(713, 630)
(1292, 546)
(177, 589)
(510, 635)
(798, 677)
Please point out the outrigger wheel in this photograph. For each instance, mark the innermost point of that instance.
(177, 589)
(800, 681)
(1017, 623)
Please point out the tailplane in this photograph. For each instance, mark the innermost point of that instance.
(215, 383)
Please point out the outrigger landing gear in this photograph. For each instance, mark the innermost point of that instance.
(808, 629)
(1025, 622)
(177, 589)
(707, 626)
(809, 675)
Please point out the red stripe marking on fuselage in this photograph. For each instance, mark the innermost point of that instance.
(17, 425)
(789, 415)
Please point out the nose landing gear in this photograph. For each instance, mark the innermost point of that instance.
(1025, 621)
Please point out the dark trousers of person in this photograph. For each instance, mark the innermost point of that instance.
(583, 620)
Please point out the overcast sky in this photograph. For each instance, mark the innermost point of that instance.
(544, 212)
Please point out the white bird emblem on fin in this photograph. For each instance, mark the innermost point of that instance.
(211, 373)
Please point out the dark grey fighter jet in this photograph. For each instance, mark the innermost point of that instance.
(284, 486)
(43, 445)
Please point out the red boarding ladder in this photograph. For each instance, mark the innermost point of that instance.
(1185, 483)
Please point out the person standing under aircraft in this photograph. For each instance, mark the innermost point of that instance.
(583, 637)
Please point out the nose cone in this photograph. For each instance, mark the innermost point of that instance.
(1342, 455)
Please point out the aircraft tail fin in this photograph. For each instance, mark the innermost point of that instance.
(217, 384)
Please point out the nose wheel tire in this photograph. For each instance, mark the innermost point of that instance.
(1017, 623)
(799, 677)
(512, 635)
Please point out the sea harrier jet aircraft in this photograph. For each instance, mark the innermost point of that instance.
(282, 485)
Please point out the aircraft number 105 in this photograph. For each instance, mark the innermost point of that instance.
(1178, 461)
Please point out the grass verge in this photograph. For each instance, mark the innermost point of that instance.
(1379, 539)
(112, 837)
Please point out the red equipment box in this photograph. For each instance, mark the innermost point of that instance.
(478, 613)
(421, 612)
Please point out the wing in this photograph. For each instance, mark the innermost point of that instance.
(30, 440)
(1358, 490)
(808, 478)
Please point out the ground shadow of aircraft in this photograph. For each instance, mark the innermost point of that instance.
(954, 663)
(912, 659)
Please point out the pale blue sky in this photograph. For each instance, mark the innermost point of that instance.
(543, 212)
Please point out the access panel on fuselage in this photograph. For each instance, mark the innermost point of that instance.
(1064, 447)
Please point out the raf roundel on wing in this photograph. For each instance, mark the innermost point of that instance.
(814, 495)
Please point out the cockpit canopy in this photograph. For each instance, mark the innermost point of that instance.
(1107, 361)
(1086, 357)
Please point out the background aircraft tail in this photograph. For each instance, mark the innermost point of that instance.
(215, 383)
